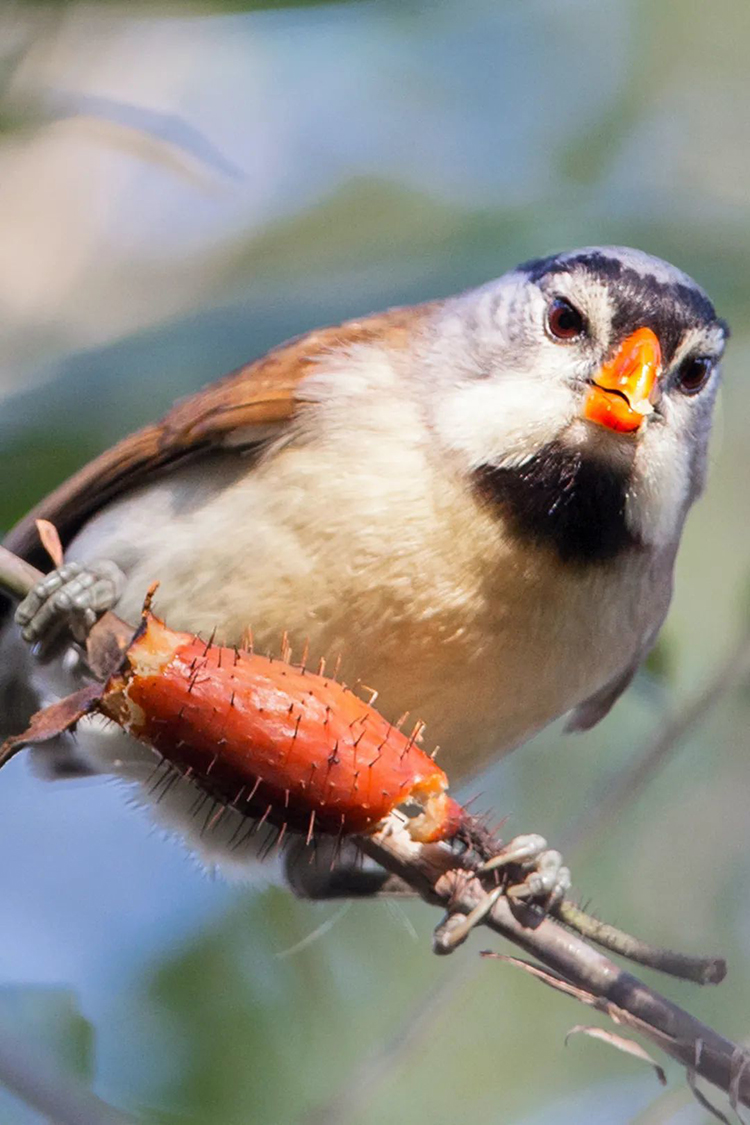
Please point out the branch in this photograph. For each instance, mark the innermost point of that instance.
(585, 973)
(442, 879)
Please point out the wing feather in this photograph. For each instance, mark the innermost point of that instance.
(239, 411)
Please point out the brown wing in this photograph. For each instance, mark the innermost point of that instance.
(234, 412)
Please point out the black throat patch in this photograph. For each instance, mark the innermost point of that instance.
(563, 499)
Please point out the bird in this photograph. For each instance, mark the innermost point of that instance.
(474, 504)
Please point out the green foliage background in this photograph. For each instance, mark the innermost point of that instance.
(636, 131)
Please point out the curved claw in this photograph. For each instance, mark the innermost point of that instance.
(548, 883)
(521, 850)
(547, 880)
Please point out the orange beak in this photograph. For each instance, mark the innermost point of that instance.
(619, 396)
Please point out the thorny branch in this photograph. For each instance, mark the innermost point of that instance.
(436, 874)
(576, 968)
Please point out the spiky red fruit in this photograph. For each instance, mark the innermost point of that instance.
(274, 741)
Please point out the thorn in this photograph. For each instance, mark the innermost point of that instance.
(198, 804)
(336, 668)
(210, 641)
(208, 816)
(237, 829)
(148, 600)
(337, 846)
(294, 737)
(220, 657)
(216, 818)
(415, 734)
(333, 758)
(213, 762)
(321, 665)
(231, 700)
(242, 838)
(310, 828)
(435, 753)
(236, 656)
(246, 641)
(172, 780)
(159, 765)
(400, 722)
(328, 715)
(253, 791)
(305, 655)
(474, 799)
(234, 803)
(286, 648)
(373, 694)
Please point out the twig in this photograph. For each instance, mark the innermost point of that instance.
(699, 970)
(431, 870)
(606, 807)
(368, 1076)
(16, 576)
(61, 1098)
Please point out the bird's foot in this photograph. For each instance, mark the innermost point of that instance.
(73, 596)
(535, 872)
(533, 876)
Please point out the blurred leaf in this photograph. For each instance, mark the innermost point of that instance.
(37, 462)
(620, 1043)
(49, 1018)
(661, 662)
(178, 6)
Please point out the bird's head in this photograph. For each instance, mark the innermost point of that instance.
(578, 391)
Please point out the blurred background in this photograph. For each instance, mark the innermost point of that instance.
(181, 187)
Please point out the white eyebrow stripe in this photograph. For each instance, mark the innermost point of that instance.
(699, 340)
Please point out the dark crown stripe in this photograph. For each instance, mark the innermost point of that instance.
(640, 299)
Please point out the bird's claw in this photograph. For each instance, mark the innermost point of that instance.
(544, 879)
(74, 595)
(535, 876)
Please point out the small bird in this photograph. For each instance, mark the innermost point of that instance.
(475, 503)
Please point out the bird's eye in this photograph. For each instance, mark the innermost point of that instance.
(694, 373)
(564, 320)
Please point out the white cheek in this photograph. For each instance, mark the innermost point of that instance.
(659, 488)
(504, 420)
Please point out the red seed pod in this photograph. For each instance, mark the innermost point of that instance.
(275, 741)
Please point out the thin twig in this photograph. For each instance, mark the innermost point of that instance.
(700, 970)
(730, 671)
(17, 577)
(369, 1075)
(430, 870)
(604, 809)
(59, 1097)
